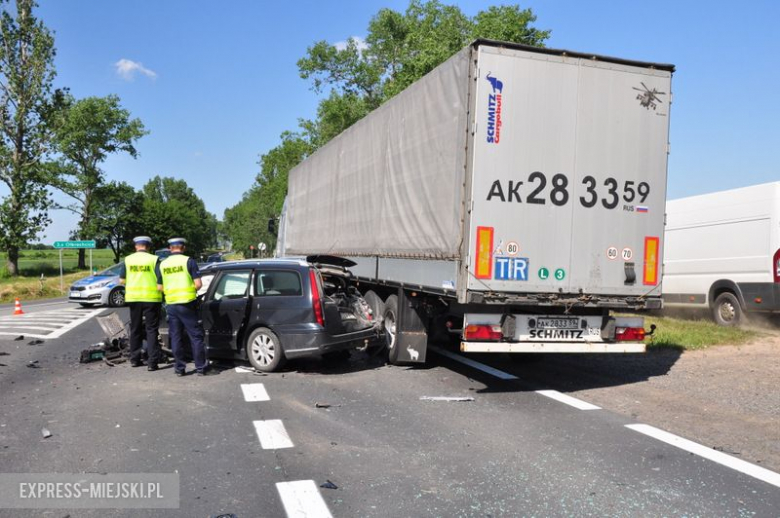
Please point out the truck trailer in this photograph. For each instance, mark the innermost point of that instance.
(723, 252)
(509, 200)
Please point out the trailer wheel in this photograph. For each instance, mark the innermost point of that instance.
(389, 321)
(726, 311)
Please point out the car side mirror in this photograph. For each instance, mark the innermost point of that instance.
(272, 226)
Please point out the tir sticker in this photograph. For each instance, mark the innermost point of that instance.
(560, 274)
(651, 261)
(612, 253)
(484, 259)
(544, 273)
(627, 254)
(511, 269)
(512, 248)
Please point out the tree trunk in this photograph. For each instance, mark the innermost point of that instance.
(13, 261)
(82, 262)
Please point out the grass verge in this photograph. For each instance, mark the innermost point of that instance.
(30, 288)
(687, 335)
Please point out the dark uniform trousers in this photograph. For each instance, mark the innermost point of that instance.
(184, 318)
(145, 320)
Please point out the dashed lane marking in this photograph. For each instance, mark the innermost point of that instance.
(272, 434)
(254, 392)
(571, 401)
(742, 466)
(474, 364)
(57, 321)
(302, 499)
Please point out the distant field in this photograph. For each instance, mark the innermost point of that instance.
(33, 263)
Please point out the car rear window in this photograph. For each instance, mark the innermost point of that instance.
(276, 283)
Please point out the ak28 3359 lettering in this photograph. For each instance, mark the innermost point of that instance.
(609, 192)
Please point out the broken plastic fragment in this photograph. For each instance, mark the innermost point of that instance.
(446, 398)
(35, 342)
(20, 337)
(329, 485)
(33, 364)
(46, 433)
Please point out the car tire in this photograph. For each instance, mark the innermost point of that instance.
(116, 298)
(264, 350)
(726, 311)
(375, 303)
(389, 323)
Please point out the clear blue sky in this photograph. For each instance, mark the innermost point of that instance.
(225, 83)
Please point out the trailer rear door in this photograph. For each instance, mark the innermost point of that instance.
(569, 175)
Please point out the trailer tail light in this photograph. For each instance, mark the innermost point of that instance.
(483, 332)
(629, 334)
(776, 263)
(316, 300)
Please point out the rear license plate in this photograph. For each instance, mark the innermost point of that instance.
(75, 294)
(558, 323)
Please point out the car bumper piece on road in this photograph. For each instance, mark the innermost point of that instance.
(552, 347)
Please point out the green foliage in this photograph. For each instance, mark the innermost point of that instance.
(116, 217)
(686, 334)
(170, 208)
(357, 78)
(26, 74)
(87, 131)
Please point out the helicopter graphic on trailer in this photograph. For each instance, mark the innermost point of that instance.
(648, 98)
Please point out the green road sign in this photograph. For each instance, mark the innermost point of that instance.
(560, 274)
(544, 273)
(74, 244)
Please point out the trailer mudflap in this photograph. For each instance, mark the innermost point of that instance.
(552, 347)
(411, 336)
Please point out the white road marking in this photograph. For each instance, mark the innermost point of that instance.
(471, 363)
(742, 466)
(254, 392)
(302, 499)
(272, 434)
(571, 401)
(58, 322)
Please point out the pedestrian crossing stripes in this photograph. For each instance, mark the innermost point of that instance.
(51, 323)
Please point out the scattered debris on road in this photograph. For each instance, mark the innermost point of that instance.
(35, 342)
(446, 398)
(329, 485)
(324, 405)
(18, 338)
(3, 353)
(33, 364)
(46, 433)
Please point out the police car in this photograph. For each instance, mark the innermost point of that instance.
(102, 288)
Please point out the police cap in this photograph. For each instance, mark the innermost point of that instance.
(142, 240)
(177, 241)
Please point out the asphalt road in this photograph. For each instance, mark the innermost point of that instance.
(512, 451)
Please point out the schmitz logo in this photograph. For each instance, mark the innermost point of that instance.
(494, 110)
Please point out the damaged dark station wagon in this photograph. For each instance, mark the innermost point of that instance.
(269, 310)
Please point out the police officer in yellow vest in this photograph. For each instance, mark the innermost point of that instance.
(143, 298)
(179, 278)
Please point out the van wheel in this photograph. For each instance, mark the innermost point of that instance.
(264, 350)
(727, 311)
(375, 303)
(390, 321)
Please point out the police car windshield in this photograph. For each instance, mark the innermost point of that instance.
(109, 272)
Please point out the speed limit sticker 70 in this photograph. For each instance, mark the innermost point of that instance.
(627, 254)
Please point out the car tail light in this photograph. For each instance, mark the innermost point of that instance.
(483, 332)
(316, 301)
(776, 262)
(629, 334)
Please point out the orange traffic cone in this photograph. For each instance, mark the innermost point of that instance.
(18, 308)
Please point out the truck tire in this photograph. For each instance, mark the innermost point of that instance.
(389, 323)
(264, 350)
(726, 311)
(375, 303)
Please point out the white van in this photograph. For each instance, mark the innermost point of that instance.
(722, 251)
